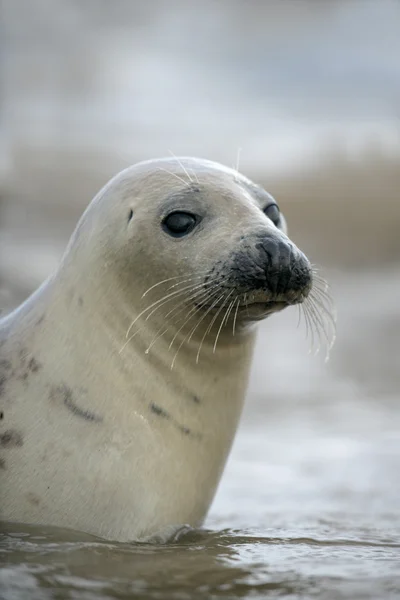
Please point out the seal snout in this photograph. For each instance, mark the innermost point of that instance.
(286, 269)
(271, 269)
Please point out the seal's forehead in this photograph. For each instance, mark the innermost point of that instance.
(190, 168)
(165, 177)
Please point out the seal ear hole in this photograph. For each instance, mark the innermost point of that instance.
(130, 215)
(1, 415)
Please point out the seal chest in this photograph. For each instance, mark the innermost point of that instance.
(122, 378)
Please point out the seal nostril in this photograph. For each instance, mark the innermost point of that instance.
(285, 267)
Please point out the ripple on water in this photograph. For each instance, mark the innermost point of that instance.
(40, 563)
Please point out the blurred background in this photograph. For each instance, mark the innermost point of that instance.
(307, 94)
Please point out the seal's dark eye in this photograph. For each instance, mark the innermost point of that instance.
(179, 224)
(273, 213)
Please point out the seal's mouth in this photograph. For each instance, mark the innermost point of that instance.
(260, 310)
(254, 308)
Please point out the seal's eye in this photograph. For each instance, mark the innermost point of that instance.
(272, 212)
(179, 224)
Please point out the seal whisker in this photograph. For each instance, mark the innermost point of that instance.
(246, 304)
(198, 294)
(161, 300)
(186, 295)
(325, 301)
(298, 315)
(170, 279)
(322, 285)
(210, 327)
(181, 165)
(189, 336)
(238, 159)
(327, 310)
(203, 295)
(327, 320)
(228, 314)
(317, 323)
(184, 281)
(222, 322)
(187, 183)
(309, 329)
(235, 317)
(195, 175)
(322, 320)
(157, 305)
(191, 314)
(194, 310)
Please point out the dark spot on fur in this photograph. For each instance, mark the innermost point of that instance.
(11, 439)
(1, 415)
(33, 499)
(3, 380)
(185, 430)
(64, 393)
(34, 365)
(2, 464)
(80, 301)
(39, 321)
(23, 353)
(159, 411)
(5, 368)
(196, 399)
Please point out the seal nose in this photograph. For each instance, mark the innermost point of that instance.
(286, 268)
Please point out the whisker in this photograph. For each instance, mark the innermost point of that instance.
(203, 295)
(187, 183)
(170, 279)
(329, 322)
(222, 322)
(189, 336)
(228, 314)
(310, 330)
(238, 159)
(161, 301)
(168, 299)
(158, 304)
(184, 281)
(317, 322)
(209, 328)
(181, 165)
(298, 315)
(326, 310)
(189, 316)
(235, 317)
(326, 301)
(195, 175)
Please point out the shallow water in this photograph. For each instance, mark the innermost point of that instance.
(309, 502)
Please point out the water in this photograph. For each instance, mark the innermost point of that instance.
(285, 561)
(309, 502)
